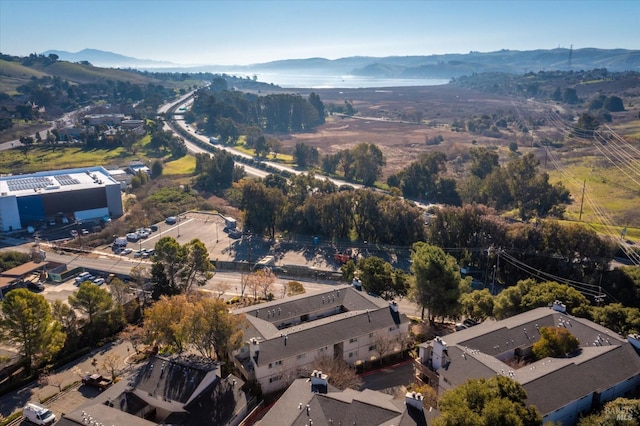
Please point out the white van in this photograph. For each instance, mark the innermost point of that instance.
(82, 277)
(38, 414)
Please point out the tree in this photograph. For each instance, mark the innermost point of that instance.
(134, 334)
(262, 206)
(586, 125)
(617, 317)
(438, 282)
(613, 104)
(197, 268)
(68, 319)
(220, 288)
(305, 155)
(555, 342)
(111, 362)
(483, 161)
(214, 329)
(315, 101)
(27, 143)
(27, 322)
(172, 257)
(156, 169)
(294, 288)
(341, 375)
(368, 163)
(265, 279)
(167, 322)
(620, 411)
(477, 305)
(119, 290)
(495, 401)
(97, 304)
(378, 277)
(139, 276)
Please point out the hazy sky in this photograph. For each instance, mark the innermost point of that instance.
(245, 32)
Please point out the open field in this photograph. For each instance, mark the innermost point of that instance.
(379, 121)
(44, 158)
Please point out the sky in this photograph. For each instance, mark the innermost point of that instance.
(217, 32)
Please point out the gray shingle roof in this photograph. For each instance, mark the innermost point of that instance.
(550, 383)
(364, 315)
(348, 407)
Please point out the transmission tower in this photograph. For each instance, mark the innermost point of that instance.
(570, 55)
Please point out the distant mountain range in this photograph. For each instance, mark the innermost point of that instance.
(103, 59)
(432, 66)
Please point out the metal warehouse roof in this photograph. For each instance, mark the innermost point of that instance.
(55, 181)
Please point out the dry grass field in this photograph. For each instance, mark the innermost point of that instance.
(379, 120)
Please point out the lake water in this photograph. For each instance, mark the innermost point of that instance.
(317, 81)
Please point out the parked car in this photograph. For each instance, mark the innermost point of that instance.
(171, 220)
(469, 322)
(84, 232)
(126, 251)
(235, 233)
(96, 380)
(138, 253)
(98, 281)
(37, 414)
(153, 228)
(35, 286)
(73, 233)
(132, 236)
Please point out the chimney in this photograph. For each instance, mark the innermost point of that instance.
(319, 381)
(254, 348)
(413, 399)
(559, 307)
(438, 353)
(393, 305)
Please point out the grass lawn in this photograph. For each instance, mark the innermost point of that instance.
(182, 166)
(44, 158)
(610, 197)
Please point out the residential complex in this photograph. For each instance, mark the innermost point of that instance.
(606, 366)
(285, 337)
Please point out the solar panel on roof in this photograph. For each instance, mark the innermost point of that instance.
(67, 180)
(24, 184)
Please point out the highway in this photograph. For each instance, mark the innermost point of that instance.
(185, 101)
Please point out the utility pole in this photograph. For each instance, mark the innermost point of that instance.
(584, 185)
(495, 272)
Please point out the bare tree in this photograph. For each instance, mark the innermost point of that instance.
(244, 283)
(111, 363)
(253, 285)
(405, 341)
(140, 275)
(383, 342)
(220, 288)
(119, 291)
(265, 281)
(341, 375)
(134, 334)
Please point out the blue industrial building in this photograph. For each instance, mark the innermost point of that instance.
(71, 194)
